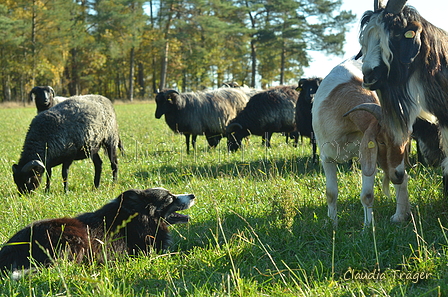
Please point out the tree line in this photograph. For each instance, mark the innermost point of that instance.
(129, 49)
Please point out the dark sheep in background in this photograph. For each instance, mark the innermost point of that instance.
(44, 97)
(198, 113)
(307, 88)
(265, 113)
(428, 143)
(75, 129)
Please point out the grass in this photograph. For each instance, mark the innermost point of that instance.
(259, 227)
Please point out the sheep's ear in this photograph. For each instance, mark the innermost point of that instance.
(368, 150)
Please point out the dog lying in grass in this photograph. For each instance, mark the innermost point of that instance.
(135, 221)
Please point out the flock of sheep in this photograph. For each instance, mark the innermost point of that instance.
(347, 121)
(68, 129)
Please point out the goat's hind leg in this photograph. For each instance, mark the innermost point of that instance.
(444, 141)
(330, 169)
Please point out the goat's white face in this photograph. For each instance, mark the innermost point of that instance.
(374, 40)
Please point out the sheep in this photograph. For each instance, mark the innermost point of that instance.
(347, 122)
(265, 113)
(44, 97)
(428, 142)
(74, 129)
(308, 88)
(197, 113)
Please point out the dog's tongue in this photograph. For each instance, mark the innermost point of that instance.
(176, 218)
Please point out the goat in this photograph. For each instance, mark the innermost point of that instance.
(265, 113)
(347, 122)
(308, 88)
(74, 129)
(197, 113)
(44, 97)
(405, 59)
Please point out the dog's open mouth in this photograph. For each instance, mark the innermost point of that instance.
(177, 218)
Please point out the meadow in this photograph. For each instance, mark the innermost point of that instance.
(259, 226)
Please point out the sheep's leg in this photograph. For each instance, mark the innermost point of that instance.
(98, 163)
(47, 186)
(314, 144)
(193, 141)
(187, 141)
(330, 169)
(367, 197)
(112, 154)
(65, 167)
(403, 206)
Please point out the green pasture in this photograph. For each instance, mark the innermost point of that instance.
(259, 226)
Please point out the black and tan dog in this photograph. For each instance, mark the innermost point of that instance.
(137, 220)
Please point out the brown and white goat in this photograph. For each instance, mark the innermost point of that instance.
(347, 124)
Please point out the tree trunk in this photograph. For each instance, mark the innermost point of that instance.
(166, 50)
(282, 64)
(141, 80)
(164, 66)
(131, 75)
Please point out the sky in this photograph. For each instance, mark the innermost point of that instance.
(434, 11)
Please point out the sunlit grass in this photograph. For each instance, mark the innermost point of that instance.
(259, 226)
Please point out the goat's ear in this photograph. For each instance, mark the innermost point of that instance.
(410, 43)
(368, 150)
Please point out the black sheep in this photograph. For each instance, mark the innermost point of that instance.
(44, 97)
(308, 88)
(265, 113)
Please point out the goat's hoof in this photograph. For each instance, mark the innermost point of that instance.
(399, 218)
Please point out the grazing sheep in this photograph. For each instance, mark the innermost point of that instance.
(197, 113)
(265, 113)
(75, 129)
(44, 97)
(136, 221)
(347, 122)
(308, 88)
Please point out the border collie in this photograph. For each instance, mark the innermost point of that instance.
(135, 221)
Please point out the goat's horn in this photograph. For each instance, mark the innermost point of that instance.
(171, 91)
(233, 125)
(378, 4)
(32, 164)
(395, 6)
(373, 108)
